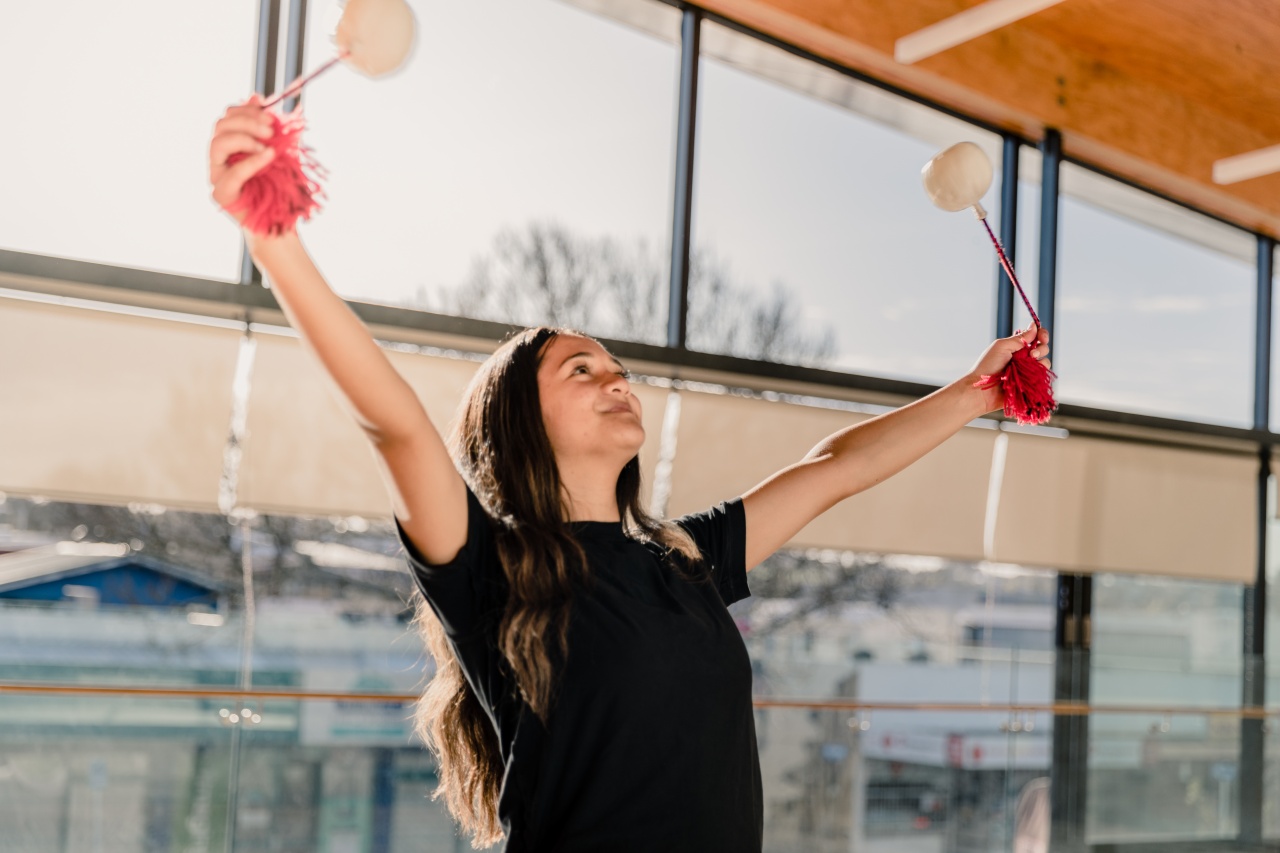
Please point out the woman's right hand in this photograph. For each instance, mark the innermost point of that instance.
(243, 129)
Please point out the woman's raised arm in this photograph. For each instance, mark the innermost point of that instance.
(428, 495)
(858, 457)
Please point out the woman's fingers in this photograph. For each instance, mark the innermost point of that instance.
(226, 144)
(243, 129)
(251, 106)
(234, 134)
(227, 188)
(1039, 341)
(1041, 348)
(255, 125)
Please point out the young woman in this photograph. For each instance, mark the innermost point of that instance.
(591, 691)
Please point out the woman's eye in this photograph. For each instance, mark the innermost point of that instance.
(581, 367)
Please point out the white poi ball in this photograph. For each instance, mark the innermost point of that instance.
(378, 34)
(958, 177)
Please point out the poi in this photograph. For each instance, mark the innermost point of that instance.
(373, 36)
(956, 179)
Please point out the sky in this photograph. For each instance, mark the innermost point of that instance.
(515, 111)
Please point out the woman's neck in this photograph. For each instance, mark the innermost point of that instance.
(590, 493)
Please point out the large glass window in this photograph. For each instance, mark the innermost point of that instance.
(1155, 305)
(908, 631)
(812, 230)
(518, 168)
(136, 597)
(120, 773)
(1271, 776)
(1274, 414)
(1164, 643)
(1027, 252)
(117, 102)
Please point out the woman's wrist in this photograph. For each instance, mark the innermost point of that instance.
(266, 249)
(976, 401)
(253, 238)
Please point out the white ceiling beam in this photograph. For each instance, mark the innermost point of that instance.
(966, 26)
(1242, 167)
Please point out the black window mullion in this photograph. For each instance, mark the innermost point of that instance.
(264, 83)
(1252, 786)
(682, 208)
(1051, 148)
(295, 49)
(1008, 233)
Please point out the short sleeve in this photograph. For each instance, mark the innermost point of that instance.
(465, 592)
(721, 535)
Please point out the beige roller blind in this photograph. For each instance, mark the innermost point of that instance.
(113, 408)
(1094, 505)
(108, 407)
(304, 452)
(727, 444)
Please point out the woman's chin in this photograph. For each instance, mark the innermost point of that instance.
(631, 439)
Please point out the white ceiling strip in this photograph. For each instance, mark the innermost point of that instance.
(1242, 167)
(966, 26)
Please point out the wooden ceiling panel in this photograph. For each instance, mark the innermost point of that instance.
(1221, 55)
(1152, 90)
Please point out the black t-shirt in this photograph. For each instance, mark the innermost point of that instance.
(651, 743)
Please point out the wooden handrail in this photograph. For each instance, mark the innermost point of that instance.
(1066, 709)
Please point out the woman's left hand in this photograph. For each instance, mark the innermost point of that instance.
(998, 356)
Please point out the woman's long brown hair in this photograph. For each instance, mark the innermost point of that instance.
(501, 447)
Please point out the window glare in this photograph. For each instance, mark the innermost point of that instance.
(492, 145)
(1150, 320)
(117, 112)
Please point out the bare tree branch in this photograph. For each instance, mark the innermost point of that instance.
(545, 274)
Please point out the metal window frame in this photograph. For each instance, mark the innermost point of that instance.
(682, 199)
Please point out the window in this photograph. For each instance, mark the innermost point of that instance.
(1155, 305)
(110, 163)
(1171, 643)
(813, 236)
(517, 169)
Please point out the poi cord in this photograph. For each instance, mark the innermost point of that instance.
(296, 86)
(1008, 268)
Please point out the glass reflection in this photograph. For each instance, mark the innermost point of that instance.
(169, 775)
(133, 595)
(1173, 643)
(143, 595)
(112, 774)
(1271, 759)
(900, 629)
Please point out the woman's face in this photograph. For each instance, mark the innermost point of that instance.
(587, 406)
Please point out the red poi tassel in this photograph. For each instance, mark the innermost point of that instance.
(287, 188)
(1027, 386)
